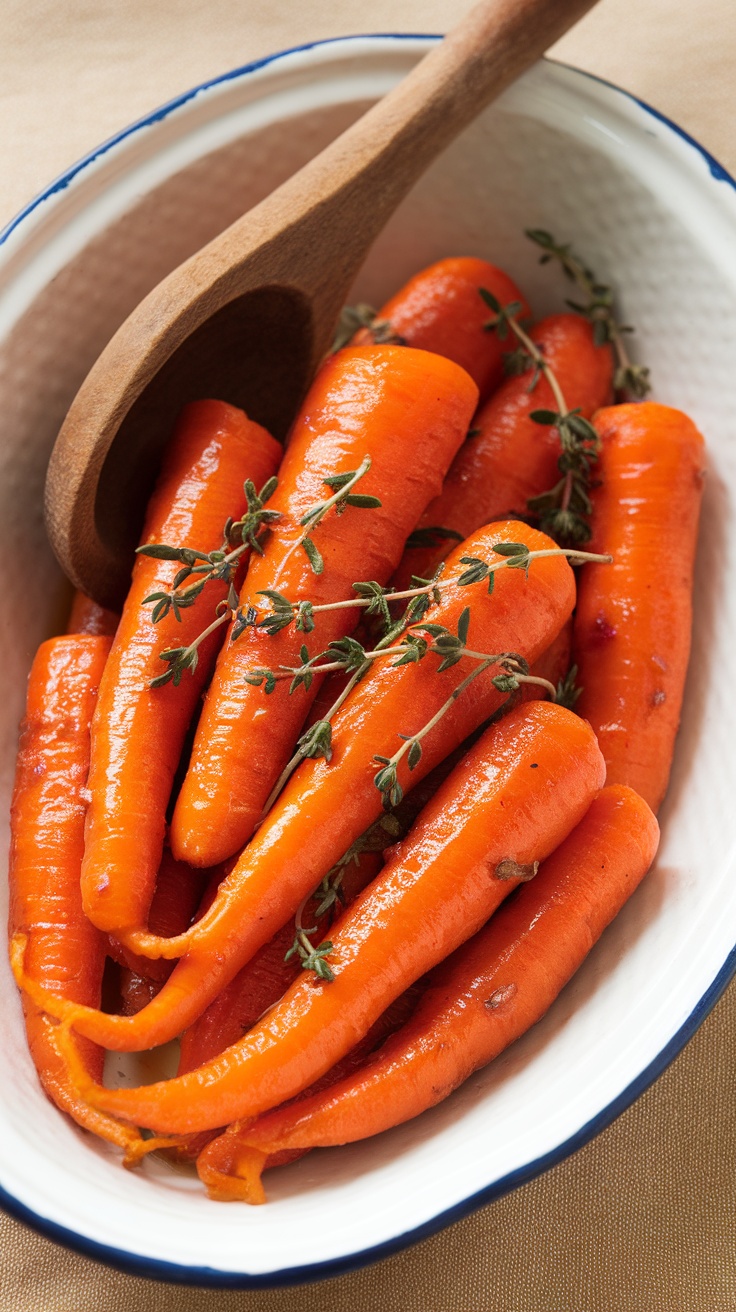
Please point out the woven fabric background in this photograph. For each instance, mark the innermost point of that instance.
(644, 1218)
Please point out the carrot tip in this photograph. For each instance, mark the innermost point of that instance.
(244, 1185)
(137, 1149)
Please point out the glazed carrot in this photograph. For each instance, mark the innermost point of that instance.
(64, 951)
(486, 995)
(512, 458)
(440, 309)
(265, 978)
(632, 628)
(138, 731)
(327, 805)
(511, 801)
(408, 412)
(86, 616)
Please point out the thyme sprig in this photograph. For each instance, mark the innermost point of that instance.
(180, 659)
(342, 497)
(568, 689)
(598, 307)
(514, 672)
(349, 655)
(564, 510)
(329, 893)
(316, 740)
(432, 536)
(354, 317)
(238, 536)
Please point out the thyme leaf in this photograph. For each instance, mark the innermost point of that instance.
(598, 307)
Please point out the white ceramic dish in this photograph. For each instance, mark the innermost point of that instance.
(647, 208)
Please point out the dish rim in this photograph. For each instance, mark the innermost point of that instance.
(209, 1277)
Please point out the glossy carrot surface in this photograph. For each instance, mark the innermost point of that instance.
(64, 951)
(440, 309)
(405, 410)
(488, 993)
(138, 731)
(516, 795)
(634, 618)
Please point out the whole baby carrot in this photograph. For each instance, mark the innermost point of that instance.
(440, 309)
(326, 805)
(398, 414)
(511, 458)
(509, 803)
(64, 951)
(138, 731)
(633, 622)
(488, 993)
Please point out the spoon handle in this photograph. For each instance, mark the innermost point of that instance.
(343, 197)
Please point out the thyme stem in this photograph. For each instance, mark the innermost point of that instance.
(316, 514)
(539, 361)
(575, 554)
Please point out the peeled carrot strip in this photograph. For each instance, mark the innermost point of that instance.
(326, 806)
(406, 410)
(64, 951)
(512, 458)
(633, 622)
(487, 994)
(86, 616)
(138, 731)
(440, 309)
(519, 791)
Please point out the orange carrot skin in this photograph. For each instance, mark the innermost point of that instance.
(487, 994)
(64, 951)
(513, 458)
(440, 309)
(407, 410)
(263, 980)
(334, 803)
(634, 618)
(516, 795)
(86, 616)
(137, 733)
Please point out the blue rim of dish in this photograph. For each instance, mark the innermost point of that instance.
(209, 1277)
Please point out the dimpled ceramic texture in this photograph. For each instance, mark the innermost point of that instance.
(646, 208)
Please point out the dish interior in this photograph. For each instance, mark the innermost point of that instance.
(641, 204)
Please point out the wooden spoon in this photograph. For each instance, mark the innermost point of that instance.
(248, 318)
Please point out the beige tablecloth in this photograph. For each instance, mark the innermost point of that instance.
(644, 1218)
